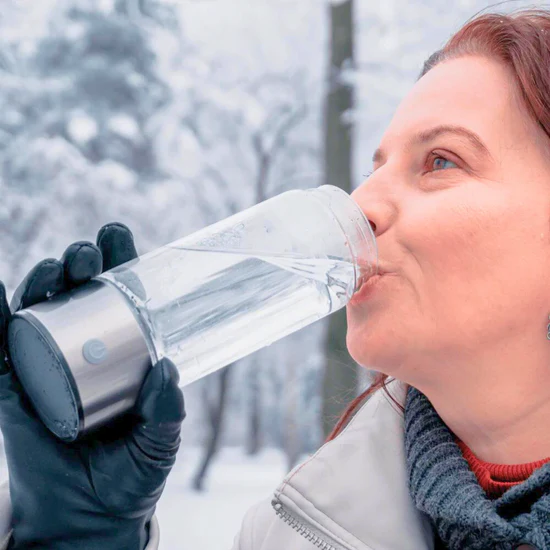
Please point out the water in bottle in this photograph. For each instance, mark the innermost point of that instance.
(235, 302)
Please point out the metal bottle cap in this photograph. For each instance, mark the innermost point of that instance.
(81, 357)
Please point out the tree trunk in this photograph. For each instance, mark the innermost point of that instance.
(292, 444)
(215, 419)
(340, 375)
(253, 440)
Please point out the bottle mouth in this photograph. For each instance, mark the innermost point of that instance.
(360, 238)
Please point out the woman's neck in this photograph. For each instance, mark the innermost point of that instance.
(499, 409)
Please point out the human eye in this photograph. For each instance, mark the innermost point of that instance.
(437, 162)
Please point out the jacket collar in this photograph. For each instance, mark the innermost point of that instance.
(355, 490)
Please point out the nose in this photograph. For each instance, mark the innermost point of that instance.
(379, 209)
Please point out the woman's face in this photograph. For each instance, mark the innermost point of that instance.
(460, 197)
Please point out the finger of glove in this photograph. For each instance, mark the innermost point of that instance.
(116, 243)
(81, 262)
(44, 280)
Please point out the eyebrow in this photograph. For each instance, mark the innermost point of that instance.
(428, 135)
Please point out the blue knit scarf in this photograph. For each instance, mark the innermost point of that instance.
(443, 487)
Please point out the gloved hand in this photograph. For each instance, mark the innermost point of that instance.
(100, 492)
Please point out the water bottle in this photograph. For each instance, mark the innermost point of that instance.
(203, 301)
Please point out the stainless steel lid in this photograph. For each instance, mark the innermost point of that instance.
(81, 357)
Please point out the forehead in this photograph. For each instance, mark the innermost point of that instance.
(475, 92)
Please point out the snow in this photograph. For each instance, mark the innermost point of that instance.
(212, 519)
(116, 174)
(75, 31)
(82, 127)
(106, 5)
(124, 126)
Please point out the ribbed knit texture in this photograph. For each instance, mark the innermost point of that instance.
(443, 486)
(496, 479)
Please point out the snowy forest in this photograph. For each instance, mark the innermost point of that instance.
(169, 115)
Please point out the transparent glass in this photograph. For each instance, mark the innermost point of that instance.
(232, 288)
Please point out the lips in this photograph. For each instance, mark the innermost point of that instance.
(368, 288)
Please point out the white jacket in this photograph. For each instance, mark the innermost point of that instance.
(350, 495)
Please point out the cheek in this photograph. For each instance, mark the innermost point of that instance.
(459, 241)
(470, 258)
(451, 242)
(463, 281)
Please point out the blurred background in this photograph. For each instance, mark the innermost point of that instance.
(169, 115)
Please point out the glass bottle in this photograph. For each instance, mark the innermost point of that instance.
(203, 301)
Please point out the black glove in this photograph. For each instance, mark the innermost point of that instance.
(100, 492)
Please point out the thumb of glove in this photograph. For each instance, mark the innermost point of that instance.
(156, 438)
(160, 406)
(139, 463)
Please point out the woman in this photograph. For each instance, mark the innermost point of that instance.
(454, 452)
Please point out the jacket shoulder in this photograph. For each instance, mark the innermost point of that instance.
(255, 525)
(262, 529)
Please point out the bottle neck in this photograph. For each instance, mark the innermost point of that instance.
(360, 239)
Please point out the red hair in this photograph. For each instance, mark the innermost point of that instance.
(520, 40)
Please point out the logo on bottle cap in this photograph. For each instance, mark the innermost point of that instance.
(94, 351)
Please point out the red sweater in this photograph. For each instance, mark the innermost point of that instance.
(496, 479)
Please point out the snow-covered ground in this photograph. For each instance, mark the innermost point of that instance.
(210, 520)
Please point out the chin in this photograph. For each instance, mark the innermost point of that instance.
(376, 347)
